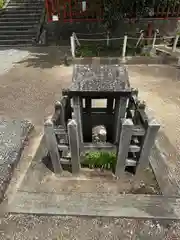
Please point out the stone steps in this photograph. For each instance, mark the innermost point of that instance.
(20, 11)
(19, 21)
(15, 31)
(17, 26)
(21, 14)
(24, 19)
(14, 5)
(16, 37)
(15, 42)
(25, 2)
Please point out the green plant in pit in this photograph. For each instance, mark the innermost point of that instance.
(90, 50)
(84, 51)
(99, 159)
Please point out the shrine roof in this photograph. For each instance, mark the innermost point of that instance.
(99, 78)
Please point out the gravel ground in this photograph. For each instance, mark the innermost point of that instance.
(13, 134)
(28, 227)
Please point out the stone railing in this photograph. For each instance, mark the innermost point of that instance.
(136, 137)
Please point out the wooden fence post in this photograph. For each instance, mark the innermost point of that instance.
(107, 41)
(73, 48)
(154, 39)
(74, 145)
(123, 148)
(52, 146)
(124, 46)
(175, 43)
(76, 39)
(140, 37)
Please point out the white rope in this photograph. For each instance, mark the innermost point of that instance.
(151, 38)
(89, 34)
(121, 38)
(99, 39)
(168, 37)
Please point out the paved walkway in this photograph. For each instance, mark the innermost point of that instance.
(30, 88)
(28, 91)
(159, 86)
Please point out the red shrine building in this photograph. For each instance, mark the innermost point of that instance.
(92, 10)
(89, 11)
(74, 10)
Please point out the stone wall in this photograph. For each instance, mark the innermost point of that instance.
(59, 31)
(166, 27)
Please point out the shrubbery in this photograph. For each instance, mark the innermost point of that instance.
(1, 3)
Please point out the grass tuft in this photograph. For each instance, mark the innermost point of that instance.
(100, 159)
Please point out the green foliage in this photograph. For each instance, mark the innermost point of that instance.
(99, 159)
(141, 8)
(2, 3)
(98, 50)
(85, 51)
(90, 50)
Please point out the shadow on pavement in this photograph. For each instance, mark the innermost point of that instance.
(47, 57)
(38, 57)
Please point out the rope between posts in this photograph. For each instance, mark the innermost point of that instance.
(89, 34)
(99, 39)
(131, 38)
(151, 38)
(168, 37)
